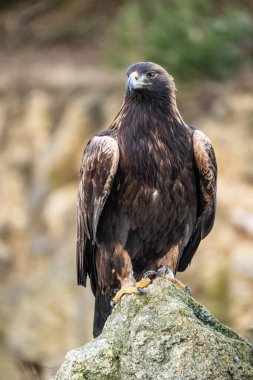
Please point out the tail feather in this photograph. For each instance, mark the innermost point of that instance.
(102, 311)
(86, 263)
(80, 263)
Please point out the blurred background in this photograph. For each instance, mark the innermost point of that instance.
(62, 79)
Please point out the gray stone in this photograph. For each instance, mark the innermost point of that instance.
(164, 334)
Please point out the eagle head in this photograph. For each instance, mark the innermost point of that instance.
(148, 78)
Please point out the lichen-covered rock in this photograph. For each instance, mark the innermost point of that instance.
(164, 334)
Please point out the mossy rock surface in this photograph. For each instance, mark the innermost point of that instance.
(164, 334)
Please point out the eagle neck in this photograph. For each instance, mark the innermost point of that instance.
(150, 114)
(148, 134)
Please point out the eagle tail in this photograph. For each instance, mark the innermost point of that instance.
(102, 311)
(80, 264)
(86, 264)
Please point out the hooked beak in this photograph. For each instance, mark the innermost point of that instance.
(135, 82)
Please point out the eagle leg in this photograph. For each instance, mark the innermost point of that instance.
(124, 271)
(167, 274)
(137, 289)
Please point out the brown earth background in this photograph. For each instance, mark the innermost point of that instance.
(56, 90)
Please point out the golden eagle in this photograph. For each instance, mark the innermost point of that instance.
(146, 194)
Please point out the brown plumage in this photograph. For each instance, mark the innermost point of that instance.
(146, 193)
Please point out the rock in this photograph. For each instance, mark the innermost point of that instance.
(164, 334)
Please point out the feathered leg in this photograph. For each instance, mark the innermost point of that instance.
(124, 272)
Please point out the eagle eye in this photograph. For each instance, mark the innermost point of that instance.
(151, 75)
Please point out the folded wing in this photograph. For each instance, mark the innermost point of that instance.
(99, 166)
(206, 177)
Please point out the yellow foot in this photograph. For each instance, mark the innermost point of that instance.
(138, 288)
(167, 274)
(143, 283)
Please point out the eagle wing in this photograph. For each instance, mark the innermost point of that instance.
(99, 166)
(206, 176)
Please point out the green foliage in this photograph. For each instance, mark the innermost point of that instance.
(189, 37)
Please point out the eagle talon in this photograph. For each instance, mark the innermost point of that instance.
(167, 274)
(188, 290)
(180, 285)
(142, 290)
(149, 273)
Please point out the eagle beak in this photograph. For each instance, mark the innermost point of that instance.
(132, 82)
(135, 81)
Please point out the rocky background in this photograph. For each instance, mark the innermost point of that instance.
(53, 97)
